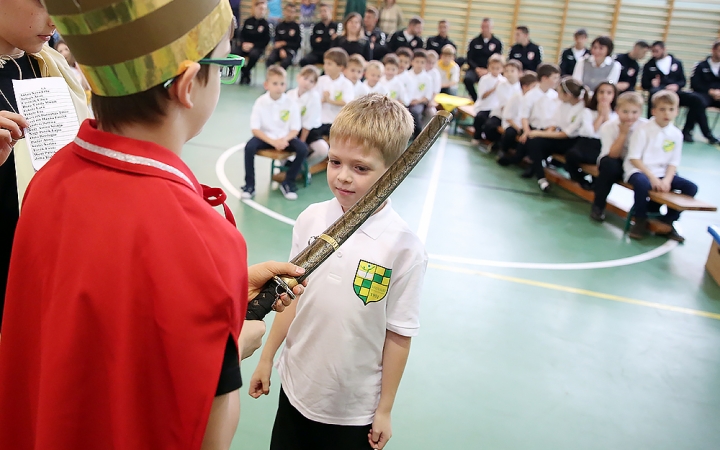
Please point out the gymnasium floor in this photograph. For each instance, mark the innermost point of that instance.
(540, 329)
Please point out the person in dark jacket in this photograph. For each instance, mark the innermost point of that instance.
(321, 36)
(410, 37)
(664, 71)
(525, 50)
(374, 34)
(630, 66)
(479, 52)
(705, 79)
(353, 39)
(441, 40)
(254, 37)
(287, 38)
(570, 56)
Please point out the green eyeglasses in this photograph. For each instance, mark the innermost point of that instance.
(229, 68)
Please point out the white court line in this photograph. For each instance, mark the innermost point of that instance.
(663, 249)
(429, 205)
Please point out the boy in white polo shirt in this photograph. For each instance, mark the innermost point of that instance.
(487, 95)
(354, 73)
(419, 85)
(373, 76)
(653, 157)
(275, 123)
(335, 90)
(392, 81)
(347, 338)
(308, 101)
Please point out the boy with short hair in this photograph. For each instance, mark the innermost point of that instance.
(614, 138)
(354, 72)
(570, 56)
(373, 75)
(539, 104)
(405, 56)
(275, 123)
(487, 99)
(310, 106)
(336, 394)
(512, 119)
(419, 88)
(449, 71)
(504, 92)
(392, 81)
(653, 158)
(432, 70)
(335, 90)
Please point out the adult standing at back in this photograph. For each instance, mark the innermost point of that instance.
(526, 51)
(391, 17)
(705, 80)
(572, 55)
(664, 71)
(275, 11)
(630, 68)
(598, 66)
(479, 52)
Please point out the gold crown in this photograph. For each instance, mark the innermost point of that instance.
(129, 46)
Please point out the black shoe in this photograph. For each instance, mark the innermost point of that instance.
(528, 173)
(675, 236)
(687, 137)
(638, 229)
(585, 184)
(597, 214)
(712, 140)
(504, 160)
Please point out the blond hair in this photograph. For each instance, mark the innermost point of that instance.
(496, 58)
(377, 122)
(630, 98)
(358, 60)
(310, 71)
(448, 50)
(337, 55)
(665, 96)
(432, 54)
(276, 70)
(377, 65)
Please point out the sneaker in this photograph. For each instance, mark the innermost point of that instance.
(528, 173)
(687, 137)
(712, 140)
(675, 236)
(638, 229)
(597, 214)
(586, 185)
(288, 191)
(248, 192)
(544, 184)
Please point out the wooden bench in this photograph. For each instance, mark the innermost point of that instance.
(672, 200)
(465, 119)
(280, 155)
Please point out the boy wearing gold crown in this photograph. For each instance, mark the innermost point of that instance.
(127, 291)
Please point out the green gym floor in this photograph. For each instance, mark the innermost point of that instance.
(540, 329)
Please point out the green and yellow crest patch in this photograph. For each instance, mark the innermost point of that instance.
(284, 115)
(338, 96)
(371, 282)
(393, 95)
(668, 145)
(303, 111)
(422, 86)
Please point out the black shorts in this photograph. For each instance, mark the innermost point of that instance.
(230, 379)
(293, 431)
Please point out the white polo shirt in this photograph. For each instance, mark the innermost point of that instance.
(656, 147)
(379, 88)
(419, 85)
(504, 92)
(588, 123)
(331, 364)
(310, 107)
(275, 118)
(539, 107)
(395, 89)
(360, 89)
(436, 81)
(341, 89)
(511, 111)
(609, 132)
(490, 102)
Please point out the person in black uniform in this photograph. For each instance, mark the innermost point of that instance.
(479, 51)
(287, 38)
(410, 37)
(664, 71)
(570, 56)
(353, 39)
(705, 79)
(441, 40)
(321, 37)
(630, 67)
(254, 37)
(374, 34)
(525, 50)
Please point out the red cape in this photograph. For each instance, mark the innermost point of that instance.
(124, 286)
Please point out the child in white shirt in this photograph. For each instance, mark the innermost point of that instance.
(391, 80)
(405, 56)
(512, 120)
(354, 72)
(504, 92)
(373, 75)
(419, 88)
(449, 71)
(487, 98)
(275, 123)
(347, 338)
(586, 150)
(653, 158)
(335, 90)
(308, 101)
(614, 137)
(435, 77)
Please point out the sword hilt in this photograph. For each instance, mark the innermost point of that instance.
(264, 302)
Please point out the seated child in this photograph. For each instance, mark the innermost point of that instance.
(275, 123)
(392, 82)
(419, 88)
(511, 119)
(405, 56)
(310, 106)
(653, 158)
(335, 90)
(587, 148)
(354, 72)
(347, 338)
(449, 71)
(487, 99)
(435, 77)
(563, 132)
(507, 89)
(614, 137)
(373, 74)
